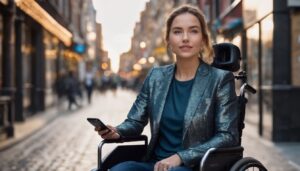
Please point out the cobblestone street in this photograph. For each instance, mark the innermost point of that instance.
(69, 143)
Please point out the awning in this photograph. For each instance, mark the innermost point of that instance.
(229, 25)
(233, 23)
(34, 10)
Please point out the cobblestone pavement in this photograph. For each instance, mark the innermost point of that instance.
(69, 143)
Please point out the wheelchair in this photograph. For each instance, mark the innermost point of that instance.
(227, 57)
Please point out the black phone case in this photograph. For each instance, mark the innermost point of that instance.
(97, 123)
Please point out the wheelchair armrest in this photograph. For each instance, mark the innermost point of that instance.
(127, 139)
(220, 159)
(117, 155)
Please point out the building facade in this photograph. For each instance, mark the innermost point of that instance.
(267, 33)
(39, 40)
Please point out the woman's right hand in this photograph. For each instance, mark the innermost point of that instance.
(108, 134)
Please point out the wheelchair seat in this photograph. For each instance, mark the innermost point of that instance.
(227, 57)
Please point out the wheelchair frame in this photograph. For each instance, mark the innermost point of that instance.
(215, 159)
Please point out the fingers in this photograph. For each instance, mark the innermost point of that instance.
(162, 166)
(112, 128)
(110, 133)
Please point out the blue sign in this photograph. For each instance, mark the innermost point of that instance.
(79, 48)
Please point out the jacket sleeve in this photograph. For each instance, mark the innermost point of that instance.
(137, 117)
(226, 126)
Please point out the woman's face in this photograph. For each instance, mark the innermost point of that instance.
(185, 37)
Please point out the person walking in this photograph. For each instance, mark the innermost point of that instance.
(89, 84)
(71, 89)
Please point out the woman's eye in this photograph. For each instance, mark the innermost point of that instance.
(195, 31)
(177, 32)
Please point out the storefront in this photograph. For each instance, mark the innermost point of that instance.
(270, 43)
(39, 42)
(7, 88)
(272, 61)
(259, 62)
(249, 25)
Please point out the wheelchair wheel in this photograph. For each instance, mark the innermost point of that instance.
(248, 163)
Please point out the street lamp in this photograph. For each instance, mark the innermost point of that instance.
(143, 61)
(142, 45)
(151, 59)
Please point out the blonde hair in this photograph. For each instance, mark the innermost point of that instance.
(207, 52)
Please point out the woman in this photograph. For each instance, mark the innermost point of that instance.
(191, 105)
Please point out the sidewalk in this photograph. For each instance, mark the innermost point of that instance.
(32, 125)
(289, 151)
(275, 156)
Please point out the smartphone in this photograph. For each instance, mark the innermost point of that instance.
(97, 123)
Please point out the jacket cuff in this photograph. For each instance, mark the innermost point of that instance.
(186, 160)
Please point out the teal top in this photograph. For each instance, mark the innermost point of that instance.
(171, 126)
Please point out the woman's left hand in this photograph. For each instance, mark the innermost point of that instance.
(167, 163)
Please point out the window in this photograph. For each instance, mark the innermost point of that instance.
(1, 53)
(252, 55)
(27, 64)
(267, 26)
(51, 47)
(252, 63)
(295, 48)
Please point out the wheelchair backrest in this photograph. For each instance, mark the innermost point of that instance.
(227, 57)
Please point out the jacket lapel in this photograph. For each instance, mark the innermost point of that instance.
(200, 84)
(164, 85)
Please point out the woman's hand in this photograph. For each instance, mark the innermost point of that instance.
(109, 134)
(168, 163)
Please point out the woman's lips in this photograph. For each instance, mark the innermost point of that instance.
(185, 47)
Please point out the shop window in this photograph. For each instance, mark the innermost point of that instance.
(1, 53)
(252, 54)
(295, 48)
(252, 63)
(51, 52)
(27, 65)
(254, 10)
(267, 27)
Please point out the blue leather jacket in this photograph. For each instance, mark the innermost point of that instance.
(211, 115)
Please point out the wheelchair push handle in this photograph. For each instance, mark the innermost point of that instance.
(242, 75)
(250, 89)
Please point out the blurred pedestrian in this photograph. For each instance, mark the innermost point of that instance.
(60, 86)
(71, 85)
(89, 84)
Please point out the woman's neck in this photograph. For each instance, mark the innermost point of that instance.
(186, 69)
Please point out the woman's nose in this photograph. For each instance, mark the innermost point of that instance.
(185, 36)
